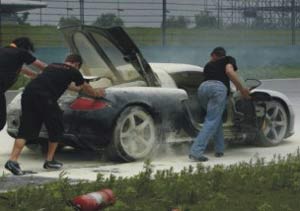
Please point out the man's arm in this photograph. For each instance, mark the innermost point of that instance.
(74, 88)
(30, 73)
(235, 80)
(87, 89)
(39, 64)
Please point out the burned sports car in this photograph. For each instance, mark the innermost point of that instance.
(147, 104)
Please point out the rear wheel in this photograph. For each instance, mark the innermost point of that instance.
(135, 135)
(275, 124)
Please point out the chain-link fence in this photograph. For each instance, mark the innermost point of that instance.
(183, 31)
(169, 22)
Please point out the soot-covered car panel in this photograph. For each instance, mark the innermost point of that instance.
(147, 104)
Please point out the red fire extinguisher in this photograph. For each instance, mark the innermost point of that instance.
(94, 201)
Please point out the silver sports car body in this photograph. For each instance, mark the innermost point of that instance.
(147, 104)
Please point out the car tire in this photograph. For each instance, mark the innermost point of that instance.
(275, 125)
(135, 135)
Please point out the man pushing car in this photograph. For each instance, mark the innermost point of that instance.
(39, 105)
(213, 92)
(12, 59)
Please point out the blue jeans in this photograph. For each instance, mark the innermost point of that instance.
(213, 98)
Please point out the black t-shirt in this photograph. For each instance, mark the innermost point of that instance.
(215, 70)
(11, 62)
(54, 80)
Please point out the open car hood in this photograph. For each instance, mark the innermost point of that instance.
(104, 42)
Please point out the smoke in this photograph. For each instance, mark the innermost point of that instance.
(169, 149)
(253, 61)
(247, 56)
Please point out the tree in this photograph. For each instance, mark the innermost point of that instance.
(69, 21)
(14, 18)
(108, 20)
(204, 19)
(177, 22)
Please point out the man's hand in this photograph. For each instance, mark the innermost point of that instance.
(100, 92)
(39, 64)
(29, 73)
(87, 89)
(233, 76)
(245, 93)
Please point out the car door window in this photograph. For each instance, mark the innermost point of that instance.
(125, 69)
(93, 63)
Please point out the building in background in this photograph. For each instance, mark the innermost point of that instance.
(10, 8)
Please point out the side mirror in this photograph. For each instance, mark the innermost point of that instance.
(252, 83)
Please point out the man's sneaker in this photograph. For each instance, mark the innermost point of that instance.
(53, 164)
(13, 167)
(201, 158)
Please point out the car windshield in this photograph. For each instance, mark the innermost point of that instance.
(126, 70)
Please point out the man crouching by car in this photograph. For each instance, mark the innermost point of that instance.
(39, 105)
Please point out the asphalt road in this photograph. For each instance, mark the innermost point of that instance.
(81, 165)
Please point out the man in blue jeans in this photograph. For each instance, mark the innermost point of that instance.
(213, 93)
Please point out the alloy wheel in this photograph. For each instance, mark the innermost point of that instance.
(138, 134)
(276, 122)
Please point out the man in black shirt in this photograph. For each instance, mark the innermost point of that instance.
(39, 105)
(12, 59)
(212, 95)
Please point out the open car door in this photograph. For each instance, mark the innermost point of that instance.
(109, 53)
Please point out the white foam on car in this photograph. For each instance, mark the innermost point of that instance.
(175, 67)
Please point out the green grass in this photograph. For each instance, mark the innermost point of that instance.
(42, 36)
(200, 37)
(253, 186)
(45, 36)
(21, 82)
(270, 72)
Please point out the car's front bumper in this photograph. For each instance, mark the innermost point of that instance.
(291, 128)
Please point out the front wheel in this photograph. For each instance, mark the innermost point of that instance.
(275, 124)
(135, 135)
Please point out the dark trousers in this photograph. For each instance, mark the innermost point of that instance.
(2, 110)
(37, 110)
